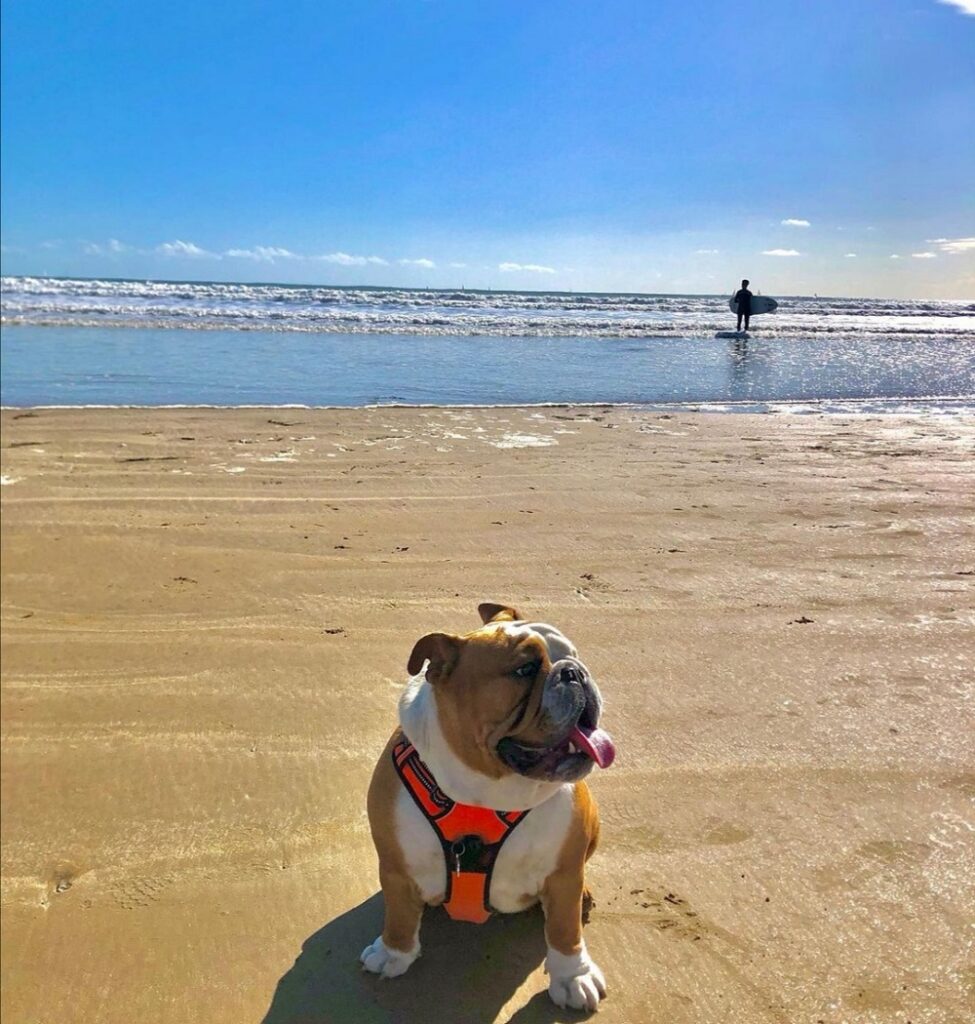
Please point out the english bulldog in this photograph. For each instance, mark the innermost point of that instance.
(478, 801)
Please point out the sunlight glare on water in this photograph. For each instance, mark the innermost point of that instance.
(119, 366)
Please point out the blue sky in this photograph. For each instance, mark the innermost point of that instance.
(554, 144)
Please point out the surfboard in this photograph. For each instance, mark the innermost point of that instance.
(732, 334)
(760, 304)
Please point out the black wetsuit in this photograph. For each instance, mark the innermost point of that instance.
(744, 299)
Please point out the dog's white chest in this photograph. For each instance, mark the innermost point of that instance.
(527, 858)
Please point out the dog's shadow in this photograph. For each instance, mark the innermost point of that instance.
(466, 975)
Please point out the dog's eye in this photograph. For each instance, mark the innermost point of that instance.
(528, 670)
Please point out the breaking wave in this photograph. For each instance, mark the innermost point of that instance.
(58, 302)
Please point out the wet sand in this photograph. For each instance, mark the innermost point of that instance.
(206, 621)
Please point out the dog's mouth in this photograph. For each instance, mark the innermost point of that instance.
(592, 741)
(570, 758)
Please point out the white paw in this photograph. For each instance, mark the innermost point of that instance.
(577, 983)
(390, 963)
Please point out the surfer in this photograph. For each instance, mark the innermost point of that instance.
(744, 299)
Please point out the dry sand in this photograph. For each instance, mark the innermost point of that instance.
(207, 617)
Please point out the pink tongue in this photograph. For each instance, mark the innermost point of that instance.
(597, 743)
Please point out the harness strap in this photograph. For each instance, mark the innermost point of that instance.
(471, 837)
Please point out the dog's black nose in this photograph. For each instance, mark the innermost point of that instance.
(570, 674)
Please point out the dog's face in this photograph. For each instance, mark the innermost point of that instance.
(512, 697)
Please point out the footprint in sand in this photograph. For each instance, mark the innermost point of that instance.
(591, 584)
(726, 834)
(871, 994)
(964, 783)
(60, 877)
(868, 860)
(670, 913)
(136, 893)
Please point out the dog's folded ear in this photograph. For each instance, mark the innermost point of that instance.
(441, 650)
(497, 613)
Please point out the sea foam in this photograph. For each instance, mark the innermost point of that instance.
(57, 302)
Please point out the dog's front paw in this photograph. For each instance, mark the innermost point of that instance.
(390, 963)
(577, 983)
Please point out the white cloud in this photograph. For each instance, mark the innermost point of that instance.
(796, 222)
(780, 252)
(894, 256)
(343, 259)
(263, 253)
(965, 6)
(924, 255)
(54, 243)
(179, 248)
(850, 256)
(112, 246)
(953, 246)
(458, 266)
(426, 264)
(531, 268)
(705, 252)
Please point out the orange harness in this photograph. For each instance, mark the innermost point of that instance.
(471, 837)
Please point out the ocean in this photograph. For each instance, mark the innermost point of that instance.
(108, 342)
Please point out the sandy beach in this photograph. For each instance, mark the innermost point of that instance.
(207, 616)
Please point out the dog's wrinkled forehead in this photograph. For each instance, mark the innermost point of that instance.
(558, 644)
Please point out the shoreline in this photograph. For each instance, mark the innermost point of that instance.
(207, 615)
(962, 405)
